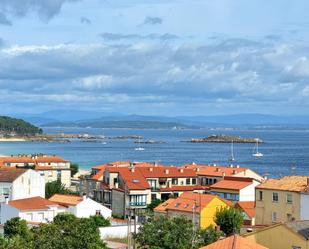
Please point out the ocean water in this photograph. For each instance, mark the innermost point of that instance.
(285, 152)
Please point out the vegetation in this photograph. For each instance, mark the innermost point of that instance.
(74, 168)
(56, 187)
(154, 203)
(17, 126)
(174, 233)
(229, 219)
(117, 216)
(67, 231)
(100, 221)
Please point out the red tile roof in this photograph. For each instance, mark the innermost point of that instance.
(232, 183)
(32, 159)
(208, 170)
(99, 175)
(186, 201)
(34, 203)
(66, 200)
(166, 172)
(248, 207)
(234, 242)
(10, 174)
(183, 188)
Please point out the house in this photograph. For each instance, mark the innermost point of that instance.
(235, 188)
(20, 183)
(210, 174)
(81, 207)
(202, 207)
(290, 235)
(34, 210)
(235, 242)
(51, 167)
(248, 210)
(282, 200)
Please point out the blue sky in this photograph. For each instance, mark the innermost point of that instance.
(177, 57)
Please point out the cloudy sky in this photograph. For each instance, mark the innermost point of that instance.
(176, 57)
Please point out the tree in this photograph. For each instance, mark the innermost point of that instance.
(17, 227)
(209, 235)
(56, 187)
(162, 233)
(154, 203)
(229, 219)
(74, 168)
(100, 221)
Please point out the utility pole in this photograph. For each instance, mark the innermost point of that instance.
(193, 224)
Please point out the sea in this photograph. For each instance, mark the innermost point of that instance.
(286, 151)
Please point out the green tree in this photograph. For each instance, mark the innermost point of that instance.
(162, 233)
(18, 126)
(229, 219)
(56, 187)
(48, 236)
(208, 236)
(74, 168)
(17, 227)
(154, 203)
(100, 221)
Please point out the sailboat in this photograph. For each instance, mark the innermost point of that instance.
(256, 152)
(232, 158)
(140, 148)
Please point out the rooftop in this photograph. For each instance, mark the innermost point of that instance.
(10, 174)
(215, 170)
(232, 183)
(301, 227)
(66, 200)
(234, 242)
(248, 207)
(287, 183)
(34, 203)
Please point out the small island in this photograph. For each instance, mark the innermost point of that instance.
(225, 139)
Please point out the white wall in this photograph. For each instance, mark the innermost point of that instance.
(8, 212)
(304, 207)
(88, 207)
(248, 193)
(116, 231)
(29, 184)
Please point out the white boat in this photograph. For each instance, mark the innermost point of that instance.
(232, 158)
(256, 152)
(139, 148)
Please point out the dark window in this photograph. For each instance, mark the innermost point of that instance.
(98, 212)
(194, 181)
(188, 181)
(260, 195)
(275, 197)
(153, 197)
(174, 181)
(176, 195)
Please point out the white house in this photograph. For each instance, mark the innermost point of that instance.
(34, 210)
(235, 188)
(81, 206)
(20, 183)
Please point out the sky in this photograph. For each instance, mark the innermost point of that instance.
(155, 57)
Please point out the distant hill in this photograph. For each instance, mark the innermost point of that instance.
(16, 126)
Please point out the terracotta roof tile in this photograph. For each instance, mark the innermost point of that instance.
(234, 242)
(166, 172)
(10, 174)
(287, 183)
(214, 170)
(66, 200)
(34, 203)
(184, 188)
(232, 184)
(248, 207)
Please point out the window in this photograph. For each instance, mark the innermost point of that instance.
(274, 217)
(193, 181)
(174, 181)
(176, 195)
(289, 198)
(275, 197)
(289, 217)
(153, 184)
(260, 195)
(153, 197)
(59, 175)
(137, 200)
(98, 212)
(188, 181)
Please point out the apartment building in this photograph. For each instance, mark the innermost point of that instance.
(282, 200)
(50, 166)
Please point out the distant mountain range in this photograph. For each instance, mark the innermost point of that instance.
(71, 118)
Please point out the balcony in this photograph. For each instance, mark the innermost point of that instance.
(137, 204)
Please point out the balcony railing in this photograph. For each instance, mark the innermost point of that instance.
(137, 204)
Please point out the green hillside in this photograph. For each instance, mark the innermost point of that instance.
(16, 126)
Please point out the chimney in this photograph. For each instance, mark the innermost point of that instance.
(223, 175)
(6, 200)
(234, 172)
(133, 170)
(181, 170)
(193, 163)
(231, 165)
(84, 196)
(218, 169)
(197, 169)
(155, 164)
(150, 169)
(307, 181)
(116, 185)
(237, 166)
(214, 164)
(166, 171)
